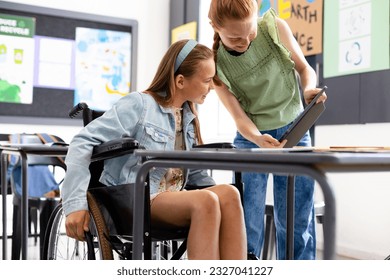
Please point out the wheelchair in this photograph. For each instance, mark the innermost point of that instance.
(110, 229)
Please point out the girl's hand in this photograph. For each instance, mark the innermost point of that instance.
(267, 141)
(309, 94)
(76, 224)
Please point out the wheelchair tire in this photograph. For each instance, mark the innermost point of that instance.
(101, 230)
(58, 246)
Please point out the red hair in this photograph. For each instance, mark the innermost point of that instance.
(222, 10)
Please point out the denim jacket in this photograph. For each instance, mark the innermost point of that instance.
(136, 115)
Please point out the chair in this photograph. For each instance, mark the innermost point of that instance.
(110, 235)
(38, 203)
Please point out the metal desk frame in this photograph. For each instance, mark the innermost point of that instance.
(22, 151)
(313, 164)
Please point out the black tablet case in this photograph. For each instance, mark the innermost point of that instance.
(304, 122)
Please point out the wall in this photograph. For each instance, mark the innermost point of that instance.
(363, 224)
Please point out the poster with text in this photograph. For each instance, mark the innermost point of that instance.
(356, 37)
(304, 18)
(103, 67)
(16, 59)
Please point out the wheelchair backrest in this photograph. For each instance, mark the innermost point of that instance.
(88, 116)
(104, 151)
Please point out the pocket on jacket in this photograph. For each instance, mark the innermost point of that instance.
(155, 138)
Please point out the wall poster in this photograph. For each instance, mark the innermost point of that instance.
(185, 31)
(16, 58)
(304, 18)
(102, 67)
(356, 37)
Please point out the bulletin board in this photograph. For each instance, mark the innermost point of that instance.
(356, 37)
(63, 58)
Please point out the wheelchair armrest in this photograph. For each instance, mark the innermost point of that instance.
(217, 145)
(114, 148)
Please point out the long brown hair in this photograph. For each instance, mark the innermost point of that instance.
(222, 10)
(163, 87)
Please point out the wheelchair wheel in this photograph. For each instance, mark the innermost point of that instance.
(58, 246)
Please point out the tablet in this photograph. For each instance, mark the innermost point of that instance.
(304, 121)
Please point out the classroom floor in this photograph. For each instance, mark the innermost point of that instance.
(33, 251)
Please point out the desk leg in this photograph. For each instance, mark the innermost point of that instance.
(4, 166)
(139, 207)
(24, 208)
(329, 217)
(312, 171)
(290, 217)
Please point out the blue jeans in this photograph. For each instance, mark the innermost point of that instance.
(255, 185)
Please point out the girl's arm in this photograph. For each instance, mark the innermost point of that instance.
(244, 125)
(306, 73)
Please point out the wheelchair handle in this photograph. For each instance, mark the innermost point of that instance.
(77, 109)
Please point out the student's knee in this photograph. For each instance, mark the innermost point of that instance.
(229, 199)
(229, 194)
(205, 203)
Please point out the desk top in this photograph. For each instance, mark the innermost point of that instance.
(325, 160)
(37, 149)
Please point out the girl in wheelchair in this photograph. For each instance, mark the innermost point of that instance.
(162, 117)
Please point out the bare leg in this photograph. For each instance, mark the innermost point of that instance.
(232, 232)
(198, 209)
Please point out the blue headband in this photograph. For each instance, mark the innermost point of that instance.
(185, 51)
